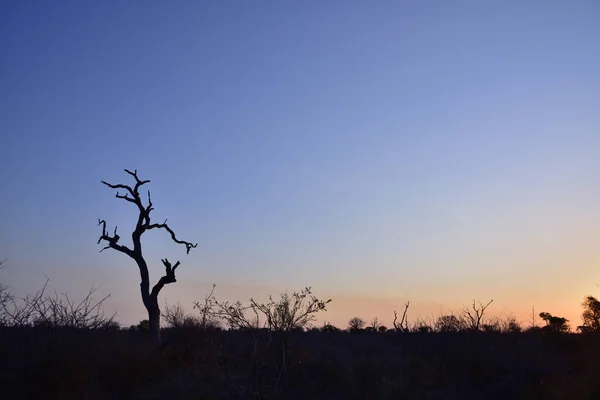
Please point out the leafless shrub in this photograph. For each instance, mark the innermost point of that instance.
(235, 315)
(56, 310)
(207, 318)
(474, 315)
(422, 325)
(375, 324)
(176, 317)
(290, 312)
(402, 326)
(23, 312)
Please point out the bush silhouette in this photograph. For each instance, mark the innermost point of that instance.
(327, 327)
(143, 326)
(449, 323)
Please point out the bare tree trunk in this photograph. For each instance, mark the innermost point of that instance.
(154, 319)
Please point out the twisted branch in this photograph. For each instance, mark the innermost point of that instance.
(112, 240)
(168, 278)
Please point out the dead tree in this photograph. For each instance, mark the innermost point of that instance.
(375, 324)
(149, 296)
(402, 326)
(475, 317)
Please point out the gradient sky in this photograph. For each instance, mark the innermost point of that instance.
(382, 151)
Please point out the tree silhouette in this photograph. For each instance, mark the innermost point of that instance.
(402, 326)
(591, 315)
(356, 324)
(375, 324)
(474, 317)
(554, 324)
(149, 297)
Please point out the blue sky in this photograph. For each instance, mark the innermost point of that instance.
(431, 150)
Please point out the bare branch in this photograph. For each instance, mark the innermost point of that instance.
(134, 192)
(168, 278)
(125, 197)
(403, 325)
(119, 186)
(112, 240)
(188, 245)
(137, 180)
(475, 317)
(143, 223)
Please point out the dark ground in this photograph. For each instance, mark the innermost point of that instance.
(46, 363)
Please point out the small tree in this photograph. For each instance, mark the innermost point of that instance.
(591, 315)
(375, 324)
(474, 316)
(554, 324)
(402, 326)
(149, 297)
(356, 324)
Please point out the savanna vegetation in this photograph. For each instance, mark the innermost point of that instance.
(54, 347)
